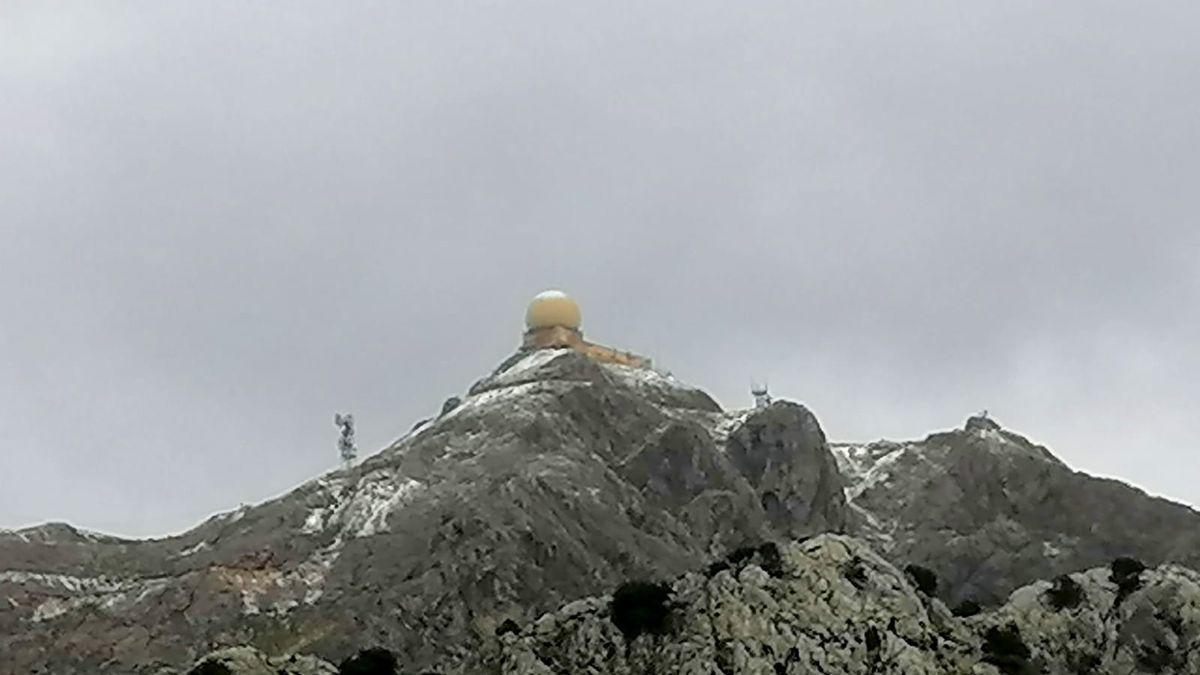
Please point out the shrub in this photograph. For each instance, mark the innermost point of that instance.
(1065, 593)
(1004, 648)
(923, 578)
(855, 572)
(770, 560)
(740, 555)
(641, 607)
(718, 566)
(509, 626)
(1126, 573)
(966, 608)
(1160, 658)
(210, 668)
(449, 406)
(374, 661)
(766, 555)
(873, 639)
(1084, 664)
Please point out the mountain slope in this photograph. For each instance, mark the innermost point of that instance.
(990, 511)
(832, 605)
(556, 478)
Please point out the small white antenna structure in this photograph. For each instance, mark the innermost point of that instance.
(761, 393)
(347, 448)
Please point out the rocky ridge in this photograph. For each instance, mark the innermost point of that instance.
(557, 478)
(991, 511)
(832, 605)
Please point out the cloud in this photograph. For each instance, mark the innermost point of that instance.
(222, 223)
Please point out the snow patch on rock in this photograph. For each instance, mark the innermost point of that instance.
(109, 595)
(193, 550)
(365, 510)
(865, 466)
(498, 396)
(534, 360)
(63, 582)
(646, 377)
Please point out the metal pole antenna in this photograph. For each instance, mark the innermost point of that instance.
(346, 445)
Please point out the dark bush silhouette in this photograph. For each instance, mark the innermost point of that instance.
(718, 566)
(855, 572)
(766, 556)
(735, 558)
(770, 560)
(741, 555)
(966, 608)
(1065, 593)
(450, 404)
(1004, 648)
(641, 607)
(509, 626)
(1084, 664)
(873, 639)
(1126, 573)
(1160, 658)
(374, 661)
(923, 578)
(210, 668)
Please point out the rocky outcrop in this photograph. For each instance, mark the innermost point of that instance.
(555, 478)
(990, 511)
(1098, 622)
(782, 452)
(831, 605)
(244, 660)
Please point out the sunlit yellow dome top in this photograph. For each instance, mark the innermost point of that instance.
(553, 308)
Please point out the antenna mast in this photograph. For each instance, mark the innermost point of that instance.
(347, 448)
(762, 397)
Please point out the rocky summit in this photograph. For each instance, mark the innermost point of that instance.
(503, 536)
(990, 511)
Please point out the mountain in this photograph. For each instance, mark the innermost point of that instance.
(558, 478)
(990, 511)
(832, 605)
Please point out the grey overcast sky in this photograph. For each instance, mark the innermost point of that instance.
(224, 221)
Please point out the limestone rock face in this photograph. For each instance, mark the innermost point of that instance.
(488, 537)
(554, 479)
(782, 452)
(1153, 626)
(249, 661)
(990, 511)
(831, 605)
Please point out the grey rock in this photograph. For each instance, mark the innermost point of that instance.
(1154, 629)
(809, 618)
(555, 479)
(990, 511)
(243, 660)
(449, 405)
(812, 618)
(781, 451)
